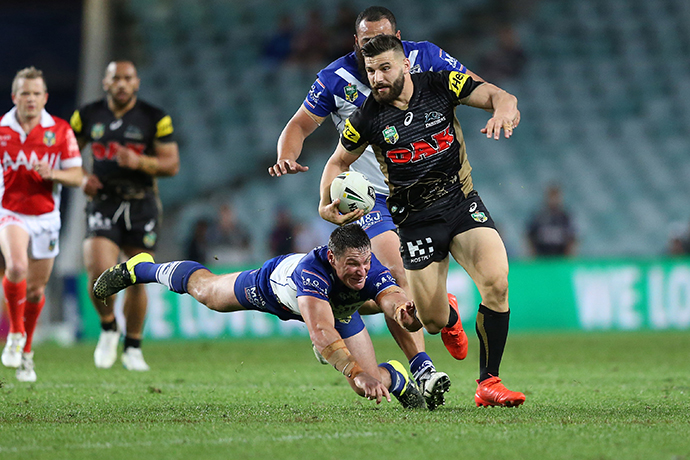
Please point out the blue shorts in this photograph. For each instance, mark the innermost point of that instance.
(249, 293)
(378, 220)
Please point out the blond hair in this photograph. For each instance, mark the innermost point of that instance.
(29, 73)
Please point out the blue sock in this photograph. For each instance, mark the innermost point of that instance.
(420, 365)
(397, 379)
(173, 275)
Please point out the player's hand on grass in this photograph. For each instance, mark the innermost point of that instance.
(332, 214)
(508, 122)
(91, 185)
(406, 316)
(286, 167)
(373, 388)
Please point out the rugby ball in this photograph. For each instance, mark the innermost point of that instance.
(355, 192)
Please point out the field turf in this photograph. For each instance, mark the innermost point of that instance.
(589, 396)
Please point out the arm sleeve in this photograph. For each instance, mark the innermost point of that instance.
(379, 279)
(456, 85)
(440, 60)
(319, 100)
(76, 123)
(355, 135)
(70, 156)
(164, 128)
(312, 282)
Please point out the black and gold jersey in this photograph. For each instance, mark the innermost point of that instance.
(138, 129)
(420, 150)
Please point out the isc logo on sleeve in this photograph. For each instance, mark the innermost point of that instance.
(350, 133)
(456, 81)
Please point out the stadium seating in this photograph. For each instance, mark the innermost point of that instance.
(603, 99)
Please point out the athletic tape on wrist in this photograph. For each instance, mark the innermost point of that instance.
(340, 358)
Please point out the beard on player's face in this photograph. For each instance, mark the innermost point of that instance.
(122, 98)
(394, 90)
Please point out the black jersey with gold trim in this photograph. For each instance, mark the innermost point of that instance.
(138, 129)
(420, 150)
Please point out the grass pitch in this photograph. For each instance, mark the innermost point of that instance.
(589, 396)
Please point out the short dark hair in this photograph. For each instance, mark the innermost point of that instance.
(380, 44)
(375, 14)
(350, 236)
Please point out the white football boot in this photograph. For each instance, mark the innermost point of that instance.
(433, 388)
(133, 360)
(106, 350)
(12, 353)
(25, 371)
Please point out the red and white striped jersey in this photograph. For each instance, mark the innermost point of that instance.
(22, 189)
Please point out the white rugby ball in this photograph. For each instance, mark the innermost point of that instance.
(355, 192)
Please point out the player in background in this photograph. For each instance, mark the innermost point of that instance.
(40, 155)
(323, 288)
(338, 91)
(132, 143)
(411, 124)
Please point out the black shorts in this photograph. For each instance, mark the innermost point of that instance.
(125, 222)
(429, 241)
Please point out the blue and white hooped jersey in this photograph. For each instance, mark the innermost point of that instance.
(312, 275)
(339, 90)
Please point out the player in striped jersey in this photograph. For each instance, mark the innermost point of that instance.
(338, 91)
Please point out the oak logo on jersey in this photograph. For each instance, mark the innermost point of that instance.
(350, 133)
(97, 131)
(49, 138)
(456, 81)
(351, 92)
(422, 149)
(390, 135)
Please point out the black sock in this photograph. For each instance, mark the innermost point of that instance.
(132, 343)
(109, 325)
(452, 317)
(492, 330)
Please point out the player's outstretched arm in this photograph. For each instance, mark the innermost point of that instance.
(339, 162)
(318, 317)
(502, 104)
(291, 141)
(395, 304)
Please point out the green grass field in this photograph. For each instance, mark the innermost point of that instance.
(589, 396)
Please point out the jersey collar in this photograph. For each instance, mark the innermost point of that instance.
(10, 120)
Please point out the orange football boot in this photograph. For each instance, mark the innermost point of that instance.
(491, 392)
(454, 338)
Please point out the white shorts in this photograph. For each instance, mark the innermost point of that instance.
(43, 230)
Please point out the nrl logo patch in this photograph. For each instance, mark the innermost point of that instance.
(390, 134)
(49, 138)
(97, 131)
(479, 217)
(351, 92)
(150, 239)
